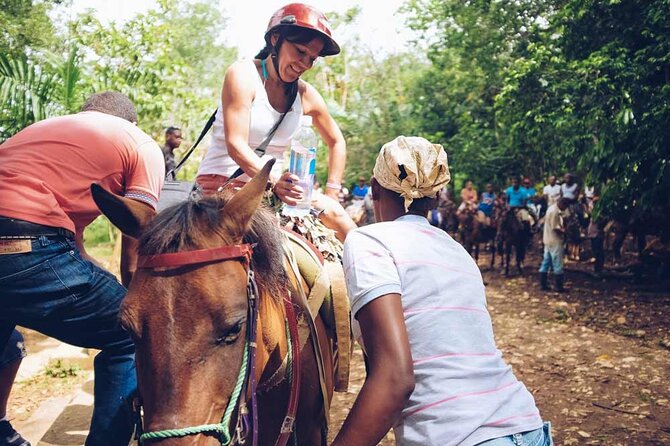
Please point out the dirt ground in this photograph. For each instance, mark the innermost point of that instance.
(596, 358)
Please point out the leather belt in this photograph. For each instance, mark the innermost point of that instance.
(12, 228)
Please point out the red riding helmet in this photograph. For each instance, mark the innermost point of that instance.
(304, 16)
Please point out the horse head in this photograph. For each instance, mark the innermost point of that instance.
(187, 306)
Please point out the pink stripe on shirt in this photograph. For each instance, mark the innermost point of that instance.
(439, 265)
(456, 397)
(426, 309)
(452, 355)
(503, 420)
(353, 264)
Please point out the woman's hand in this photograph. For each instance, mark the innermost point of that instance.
(287, 189)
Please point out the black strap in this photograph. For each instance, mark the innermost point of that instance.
(172, 174)
(260, 150)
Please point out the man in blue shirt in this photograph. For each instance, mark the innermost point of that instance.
(516, 195)
(361, 189)
(487, 200)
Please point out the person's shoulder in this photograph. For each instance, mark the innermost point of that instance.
(241, 73)
(245, 66)
(310, 97)
(377, 231)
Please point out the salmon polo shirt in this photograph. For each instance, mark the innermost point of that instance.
(46, 170)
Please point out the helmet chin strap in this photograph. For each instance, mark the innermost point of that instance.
(275, 63)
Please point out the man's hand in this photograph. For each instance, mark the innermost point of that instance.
(332, 193)
(333, 215)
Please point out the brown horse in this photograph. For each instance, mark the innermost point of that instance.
(190, 321)
(473, 232)
(512, 233)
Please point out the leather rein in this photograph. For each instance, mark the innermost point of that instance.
(247, 377)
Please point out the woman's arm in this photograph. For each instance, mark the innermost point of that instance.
(237, 96)
(315, 106)
(390, 381)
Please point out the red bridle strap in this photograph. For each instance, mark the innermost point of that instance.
(183, 258)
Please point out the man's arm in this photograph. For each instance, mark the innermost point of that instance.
(390, 381)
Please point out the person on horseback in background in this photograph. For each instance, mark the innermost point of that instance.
(517, 197)
(531, 195)
(48, 282)
(360, 190)
(435, 375)
(468, 198)
(551, 193)
(487, 203)
(570, 191)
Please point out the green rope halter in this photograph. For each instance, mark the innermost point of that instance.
(220, 428)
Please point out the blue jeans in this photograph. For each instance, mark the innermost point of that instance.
(14, 349)
(54, 291)
(553, 257)
(538, 437)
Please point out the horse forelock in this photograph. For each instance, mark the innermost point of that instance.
(185, 226)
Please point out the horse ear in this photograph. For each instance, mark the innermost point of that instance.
(240, 208)
(129, 215)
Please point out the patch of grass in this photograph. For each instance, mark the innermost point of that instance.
(102, 251)
(60, 369)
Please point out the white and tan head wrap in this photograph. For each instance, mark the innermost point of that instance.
(413, 167)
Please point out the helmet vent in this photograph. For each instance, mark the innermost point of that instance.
(288, 20)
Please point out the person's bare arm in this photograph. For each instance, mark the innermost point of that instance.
(237, 96)
(390, 381)
(333, 215)
(315, 106)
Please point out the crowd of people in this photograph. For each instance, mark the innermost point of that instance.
(544, 208)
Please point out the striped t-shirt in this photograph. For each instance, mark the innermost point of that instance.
(464, 392)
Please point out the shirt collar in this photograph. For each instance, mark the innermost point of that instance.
(413, 218)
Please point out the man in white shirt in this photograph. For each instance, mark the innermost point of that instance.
(419, 310)
(552, 191)
(553, 235)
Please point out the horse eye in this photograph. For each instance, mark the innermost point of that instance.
(231, 335)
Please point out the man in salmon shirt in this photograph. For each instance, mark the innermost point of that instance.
(48, 282)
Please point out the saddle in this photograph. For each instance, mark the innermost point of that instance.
(327, 298)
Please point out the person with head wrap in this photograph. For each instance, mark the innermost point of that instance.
(419, 312)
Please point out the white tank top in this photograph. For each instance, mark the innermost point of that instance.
(569, 191)
(262, 118)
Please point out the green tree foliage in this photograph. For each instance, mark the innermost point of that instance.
(32, 91)
(25, 26)
(544, 86)
(472, 43)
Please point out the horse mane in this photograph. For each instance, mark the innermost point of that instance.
(179, 228)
